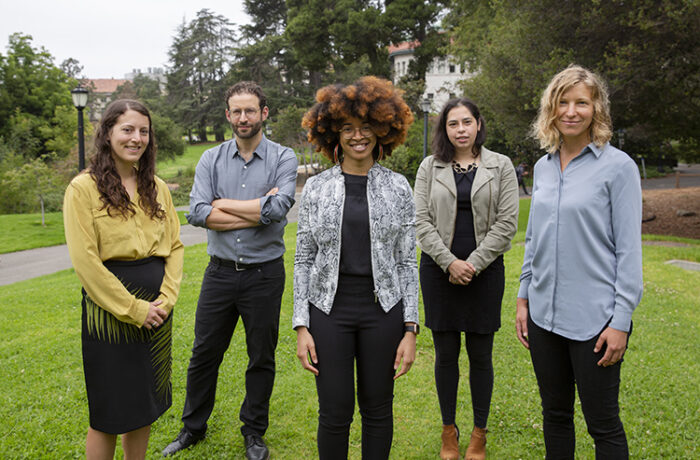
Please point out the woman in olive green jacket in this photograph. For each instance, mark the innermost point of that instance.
(466, 215)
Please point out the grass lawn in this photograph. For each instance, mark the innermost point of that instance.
(167, 169)
(24, 231)
(44, 406)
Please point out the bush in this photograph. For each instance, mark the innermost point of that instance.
(168, 137)
(406, 158)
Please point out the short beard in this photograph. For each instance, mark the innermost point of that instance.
(254, 130)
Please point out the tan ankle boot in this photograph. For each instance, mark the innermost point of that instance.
(477, 445)
(450, 443)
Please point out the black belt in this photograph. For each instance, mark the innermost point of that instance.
(239, 266)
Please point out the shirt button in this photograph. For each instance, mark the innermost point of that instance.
(238, 240)
(243, 185)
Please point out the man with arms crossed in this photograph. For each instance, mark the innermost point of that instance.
(242, 191)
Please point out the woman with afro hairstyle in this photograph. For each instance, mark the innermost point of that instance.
(355, 272)
(123, 237)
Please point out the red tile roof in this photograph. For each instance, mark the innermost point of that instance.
(105, 85)
(403, 46)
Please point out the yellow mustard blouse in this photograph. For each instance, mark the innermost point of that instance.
(94, 236)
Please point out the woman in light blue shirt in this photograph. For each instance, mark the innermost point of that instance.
(582, 272)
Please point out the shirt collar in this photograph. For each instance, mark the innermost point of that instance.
(597, 151)
(260, 151)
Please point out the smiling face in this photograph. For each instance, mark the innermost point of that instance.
(245, 115)
(129, 138)
(357, 141)
(461, 128)
(575, 114)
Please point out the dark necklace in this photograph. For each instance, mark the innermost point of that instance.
(456, 167)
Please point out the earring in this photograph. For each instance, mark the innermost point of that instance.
(381, 153)
(335, 155)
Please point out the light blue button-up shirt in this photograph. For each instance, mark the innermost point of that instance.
(583, 249)
(223, 173)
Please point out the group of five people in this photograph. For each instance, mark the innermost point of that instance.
(356, 278)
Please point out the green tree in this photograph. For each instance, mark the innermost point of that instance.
(200, 58)
(168, 136)
(35, 101)
(646, 49)
(406, 158)
(32, 185)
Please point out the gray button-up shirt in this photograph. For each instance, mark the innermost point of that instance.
(583, 245)
(223, 173)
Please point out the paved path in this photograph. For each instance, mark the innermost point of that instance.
(670, 181)
(23, 265)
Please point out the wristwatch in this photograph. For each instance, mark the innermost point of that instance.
(412, 328)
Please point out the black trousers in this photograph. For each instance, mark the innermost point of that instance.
(254, 295)
(479, 349)
(561, 366)
(356, 333)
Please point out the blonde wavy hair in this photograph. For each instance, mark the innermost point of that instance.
(543, 128)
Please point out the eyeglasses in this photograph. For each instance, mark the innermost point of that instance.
(236, 113)
(349, 131)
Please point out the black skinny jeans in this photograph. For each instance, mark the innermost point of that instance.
(356, 333)
(561, 366)
(479, 349)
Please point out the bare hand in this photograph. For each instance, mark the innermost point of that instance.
(521, 310)
(305, 348)
(461, 272)
(273, 191)
(405, 354)
(156, 316)
(616, 345)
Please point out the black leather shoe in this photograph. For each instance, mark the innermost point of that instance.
(255, 448)
(183, 440)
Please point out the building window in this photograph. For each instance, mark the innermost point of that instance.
(452, 68)
(430, 96)
(452, 95)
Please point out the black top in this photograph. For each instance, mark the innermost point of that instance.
(475, 307)
(355, 252)
(464, 241)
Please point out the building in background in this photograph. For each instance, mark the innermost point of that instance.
(441, 80)
(102, 89)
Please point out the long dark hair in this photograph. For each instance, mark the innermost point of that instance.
(441, 145)
(104, 171)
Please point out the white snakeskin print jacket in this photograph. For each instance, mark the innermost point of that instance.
(392, 235)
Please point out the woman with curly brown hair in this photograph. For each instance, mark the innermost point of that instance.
(355, 273)
(123, 236)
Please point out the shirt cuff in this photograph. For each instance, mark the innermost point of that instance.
(621, 320)
(199, 217)
(265, 205)
(522, 291)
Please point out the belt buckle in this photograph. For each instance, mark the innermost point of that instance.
(242, 269)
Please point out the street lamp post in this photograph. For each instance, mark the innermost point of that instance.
(425, 107)
(80, 98)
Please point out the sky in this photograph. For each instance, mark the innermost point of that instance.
(108, 38)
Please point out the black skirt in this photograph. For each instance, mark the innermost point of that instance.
(475, 307)
(127, 369)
